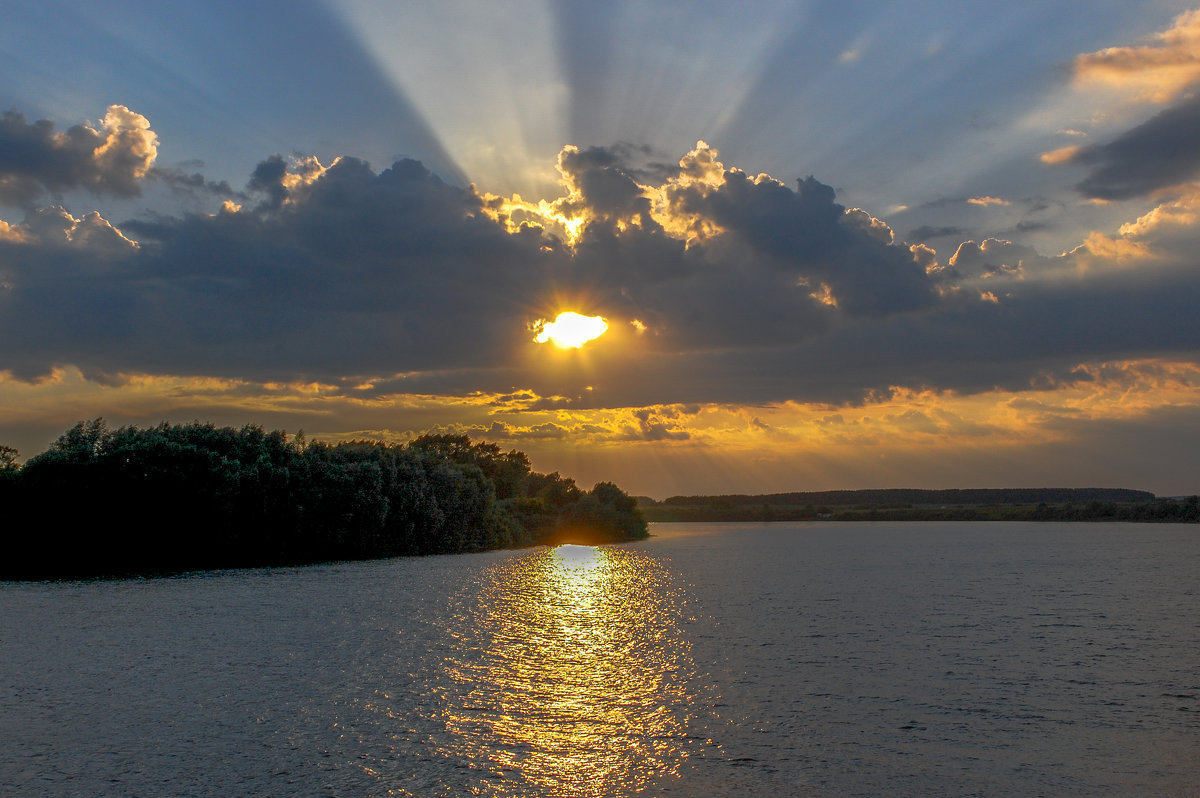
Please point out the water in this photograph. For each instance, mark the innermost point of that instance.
(711, 660)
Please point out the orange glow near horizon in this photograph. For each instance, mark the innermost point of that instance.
(935, 438)
(570, 330)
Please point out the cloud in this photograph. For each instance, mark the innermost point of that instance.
(717, 287)
(1158, 72)
(194, 183)
(601, 189)
(112, 158)
(1060, 155)
(652, 426)
(805, 234)
(1160, 153)
(356, 273)
(54, 228)
(986, 201)
(1110, 249)
(11, 233)
(1173, 218)
(710, 257)
(990, 259)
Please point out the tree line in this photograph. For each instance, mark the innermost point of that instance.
(910, 497)
(173, 498)
(1052, 504)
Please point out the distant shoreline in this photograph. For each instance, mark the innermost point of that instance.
(903, 504)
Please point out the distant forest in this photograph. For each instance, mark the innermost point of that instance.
(902, 504)
(172, 498)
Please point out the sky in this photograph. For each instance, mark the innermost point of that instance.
(831, 245)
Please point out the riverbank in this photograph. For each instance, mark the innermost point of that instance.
(1027, 504)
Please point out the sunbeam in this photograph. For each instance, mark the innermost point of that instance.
(499, 109)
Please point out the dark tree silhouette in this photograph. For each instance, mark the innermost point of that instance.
(185, 497)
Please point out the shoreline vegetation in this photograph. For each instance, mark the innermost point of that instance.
(196, 497)
(902, 504)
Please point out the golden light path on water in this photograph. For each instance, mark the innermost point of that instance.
(576, 680)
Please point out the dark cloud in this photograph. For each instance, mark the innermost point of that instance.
(784, 267)
(966, 345)
(778, 293)
(607, 189)
(1161, 152)
(698, 297)
(810, 236)
(194, 183)
(268, 178)
(358, 273)
(36, 160)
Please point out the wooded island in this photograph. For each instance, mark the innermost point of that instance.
(174, 498)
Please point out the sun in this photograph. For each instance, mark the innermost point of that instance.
(570, 330)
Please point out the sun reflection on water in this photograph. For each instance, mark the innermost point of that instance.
(574, 680)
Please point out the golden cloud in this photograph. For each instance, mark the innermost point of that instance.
(566, 217)
(1061, 155)
(1182, 212)
(129, 143)
(988, 201)
(1157, 72)
(1104, 390)
(12, 233)
(302, 171)
(1118, 250)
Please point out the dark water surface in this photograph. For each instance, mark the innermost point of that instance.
(712, 660)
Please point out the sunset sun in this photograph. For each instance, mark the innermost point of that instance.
(570, 330)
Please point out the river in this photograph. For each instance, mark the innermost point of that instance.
(814, 659)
